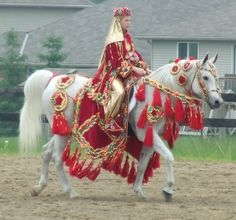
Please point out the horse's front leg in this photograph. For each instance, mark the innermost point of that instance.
(161, 148)
(60, 143)
(47, 155)
(142, 165)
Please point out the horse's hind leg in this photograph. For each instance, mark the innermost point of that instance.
(60, 143)
(142, 165)
(47, 155)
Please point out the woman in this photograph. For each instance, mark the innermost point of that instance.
(102, 106)
(120, 56)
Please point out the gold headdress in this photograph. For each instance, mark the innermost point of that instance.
(115, 32)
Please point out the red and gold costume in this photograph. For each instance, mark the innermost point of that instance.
(116, 63)
(105, 138)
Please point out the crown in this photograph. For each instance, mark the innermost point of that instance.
(122, 12)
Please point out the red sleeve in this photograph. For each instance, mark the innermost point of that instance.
(113, 55)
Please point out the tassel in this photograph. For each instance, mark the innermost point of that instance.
(156, 161)
(78, 166)
(168, 108)
(60, 125)
(110, 164)
(193, 118)
(105, 163)
(179, 111)
(93, 174)
(66, 152)
(143, 118)
(148, 140)
(187, 115)
(167, 134)
(200, 119)
(117, 163)
(125, 169)
(85, 171)
(132, 174)
(72, 169)
(55, 129)
(75, 166)
(156, 98)
(70, 161)
(175, 130)
(140, 94)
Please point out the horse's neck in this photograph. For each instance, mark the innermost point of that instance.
(163, 76)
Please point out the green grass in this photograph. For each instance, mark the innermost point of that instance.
(10, 146)
(212, 148)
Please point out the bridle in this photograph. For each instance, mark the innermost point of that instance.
(197, 74)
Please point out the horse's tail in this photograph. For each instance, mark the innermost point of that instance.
(30, 128)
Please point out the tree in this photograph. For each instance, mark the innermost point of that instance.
(12, 64)
(53, 56)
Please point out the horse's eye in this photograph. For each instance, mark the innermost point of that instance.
(205, 78)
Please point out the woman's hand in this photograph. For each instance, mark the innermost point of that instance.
(148, 71)
(138, 70)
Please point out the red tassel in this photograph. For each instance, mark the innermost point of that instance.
(200, 118)
(140, 94)
(117, 163)
(156, 98)
(132, 174)
(93, 174)
(110, 164)
(187, 115)
(143, 118)
(167, 134)
(168, 108)
(70, 161)
(148, 140)
(179, 111)
(125, 169)
(156, 161)
(175, 130)
(193, 118)
(66, 152)
(105, 163)
(60, 125)
(85, 171)
(72, 169)
(79, 165)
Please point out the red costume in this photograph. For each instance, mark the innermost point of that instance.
(100, 138)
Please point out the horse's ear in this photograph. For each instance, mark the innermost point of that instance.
(213, 59)
(204, 60)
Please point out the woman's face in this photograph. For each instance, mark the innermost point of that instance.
(125, 23)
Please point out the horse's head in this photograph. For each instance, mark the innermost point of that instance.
(205, 83)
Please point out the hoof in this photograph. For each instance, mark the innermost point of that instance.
(140, 195)
(35, 191)
(167, 196)
(73, 195)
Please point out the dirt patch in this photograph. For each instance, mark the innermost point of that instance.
(202, 191)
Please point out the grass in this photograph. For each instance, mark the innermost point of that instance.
(211, 148)
(9, 146)
(186, 148)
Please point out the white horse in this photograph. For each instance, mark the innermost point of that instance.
(41, 85)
